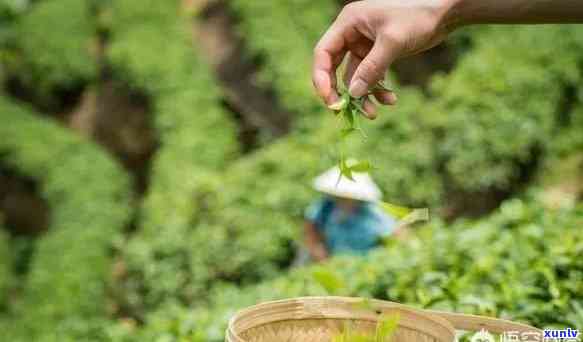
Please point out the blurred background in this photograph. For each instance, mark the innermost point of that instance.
(156, 159)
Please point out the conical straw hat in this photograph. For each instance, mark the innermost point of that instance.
(363, 188)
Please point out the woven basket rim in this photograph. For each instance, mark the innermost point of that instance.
(340, 308)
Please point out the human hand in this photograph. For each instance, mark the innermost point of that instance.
(373, 34)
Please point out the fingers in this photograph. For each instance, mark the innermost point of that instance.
(385, 97)
(370, 109)
(328, 55)
(372, 68)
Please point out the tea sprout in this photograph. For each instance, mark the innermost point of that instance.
(350, 111)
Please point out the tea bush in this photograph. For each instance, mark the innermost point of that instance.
(54, 46)
(259, 200)
(197, 138)
(298, 24)
(64, 294)
(521, 263)
(500, 108)
(5, 266)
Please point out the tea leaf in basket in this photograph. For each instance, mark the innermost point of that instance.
(384, 331)
(386, 328)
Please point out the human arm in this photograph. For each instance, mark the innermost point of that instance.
(372, 34)
(314, 242)
(468, 12)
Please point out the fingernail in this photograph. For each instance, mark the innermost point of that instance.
(358, 88)
(332, 99)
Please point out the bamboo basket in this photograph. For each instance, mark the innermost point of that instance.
(318, 319)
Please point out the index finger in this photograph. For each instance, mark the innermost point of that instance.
(328, 55)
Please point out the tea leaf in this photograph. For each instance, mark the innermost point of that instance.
(386, 328)
(342, 104)
(395, 210)
(346, 132)
(363, 166)
(329, 280)
(345, 170)
(405, 215)
(349, 117)
(416, 215)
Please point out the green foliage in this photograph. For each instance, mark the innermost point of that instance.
(243, 212)
(5, 266)
(196, 136)
(285, 33)
(211, 223)
(53, 44)
(89, 198)
(259, 200)
(498, 109)
(235, 213)
(521, 263)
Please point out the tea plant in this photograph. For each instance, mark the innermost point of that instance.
(197, 139)
(5, 265)
(297, 24)
(442, 267)
(59, 58)
(64, 296)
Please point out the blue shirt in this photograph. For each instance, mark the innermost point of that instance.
(355, 233)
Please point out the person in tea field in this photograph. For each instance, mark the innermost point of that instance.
(346, 220)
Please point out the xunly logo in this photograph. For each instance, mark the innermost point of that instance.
(548, 335)
(483, 336)
(561, 333)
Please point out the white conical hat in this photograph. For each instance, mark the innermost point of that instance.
(363, 188)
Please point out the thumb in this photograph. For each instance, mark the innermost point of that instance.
(372, 68)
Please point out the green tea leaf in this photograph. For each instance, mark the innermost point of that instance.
(348, 174)
(363, 166)
(405, 215)
(387, 327)
(345, 169)
(342, 104)
(346, 132)
(349, 117)
(416, 215)
(330, 281)
(358, 105)
(395, 210)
